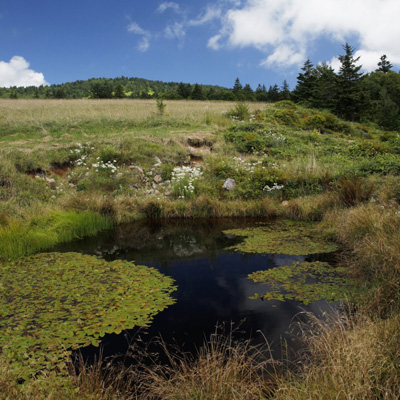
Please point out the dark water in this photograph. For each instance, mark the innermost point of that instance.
(213, 287)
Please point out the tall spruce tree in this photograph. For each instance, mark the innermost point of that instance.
(325, 88)
(303, 91)
(350, 98)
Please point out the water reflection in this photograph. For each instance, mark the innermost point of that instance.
(212, 282)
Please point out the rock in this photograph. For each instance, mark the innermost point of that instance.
(158, 162)
(150, 173)
(229, 184)
(50, 181)
(71, 185)
(157, 179)
(285, 203)
(119, 175)
(134, 167)
(153, 185)
(87, 174)
(167, 194)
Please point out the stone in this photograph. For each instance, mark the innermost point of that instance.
(119, 175)
(51, 181)
(229, 184)
(71, 185)
(157, 179)
(134, 167)
(285, 203)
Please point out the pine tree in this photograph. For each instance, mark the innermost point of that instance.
(303, 91)
(285, 92)
(325, 88)
(237, 87)
(197, 93)
(349, 99)
(384, 65)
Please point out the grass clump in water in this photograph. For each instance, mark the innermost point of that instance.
(22, 239)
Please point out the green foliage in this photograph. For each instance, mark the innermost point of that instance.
(286, 116)
(316, 121)
(240, 112)
(307, 282)
(160, 106)
(54, 302)
(17, 240)
(282, 237)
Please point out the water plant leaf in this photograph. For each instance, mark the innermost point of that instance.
(51, 303)
(306, 282)
(282, 237)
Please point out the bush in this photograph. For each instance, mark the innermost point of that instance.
(241, 112)
(316, 121)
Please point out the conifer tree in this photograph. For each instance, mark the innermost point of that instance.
(384, 65)
(303, 91)
(349, 97)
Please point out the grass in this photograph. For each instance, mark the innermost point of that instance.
(286, 160)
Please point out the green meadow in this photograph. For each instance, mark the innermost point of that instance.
(71, 168)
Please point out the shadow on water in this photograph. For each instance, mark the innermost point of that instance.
(212, 282)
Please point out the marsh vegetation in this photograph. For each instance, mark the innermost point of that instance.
(69, 169)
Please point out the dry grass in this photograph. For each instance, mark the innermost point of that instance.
(222, 370)
(353, 358)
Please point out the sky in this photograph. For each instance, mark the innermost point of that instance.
(197, 41)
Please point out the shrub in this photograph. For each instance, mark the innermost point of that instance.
(286, 116)
(240, 112)
(316, 121)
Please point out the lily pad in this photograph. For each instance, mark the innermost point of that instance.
(54, 302)
(306, 282)
(282, 237)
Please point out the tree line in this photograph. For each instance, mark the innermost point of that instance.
(351, 94)
(348, 93)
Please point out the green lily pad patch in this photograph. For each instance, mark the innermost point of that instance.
(282, 237)
(306, 282)
(52, 303)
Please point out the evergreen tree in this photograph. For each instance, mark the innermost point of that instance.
(184, 90)
(325, 87)
(273, 93)
(304, 89)
(197, 93)
(285, 92)
(248, 93)
(237, 87)
(349, 99)
(384, 65)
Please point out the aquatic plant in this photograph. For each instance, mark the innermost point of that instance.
(306, 282)
(52, 303)
(282, 237)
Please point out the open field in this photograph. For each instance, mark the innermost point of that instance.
(69, 168)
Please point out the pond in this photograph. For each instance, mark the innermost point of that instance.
(211, 270)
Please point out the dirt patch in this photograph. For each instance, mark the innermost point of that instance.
(60, 169)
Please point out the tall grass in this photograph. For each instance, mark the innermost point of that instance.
(348, 358)
(19, 239)
(44, 117)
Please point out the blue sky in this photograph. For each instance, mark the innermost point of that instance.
(209, 42)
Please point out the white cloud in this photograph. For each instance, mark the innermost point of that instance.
(144, 42)
(17, 73)
(285, 30)
(175, 31)
(211, 13)
(168, 5)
